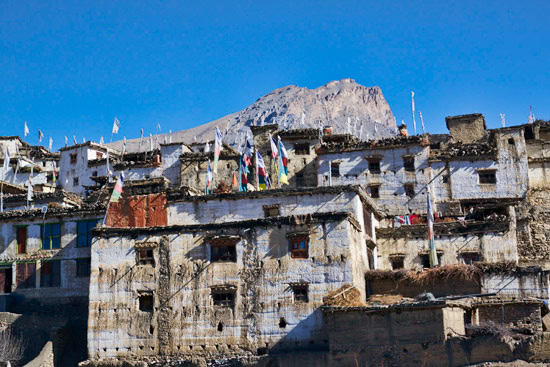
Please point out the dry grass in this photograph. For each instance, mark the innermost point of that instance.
(345, 296)
(458, 272)
(385, 299)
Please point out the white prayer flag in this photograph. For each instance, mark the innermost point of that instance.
(66, 141)
(29, 191)
(412, 105)
(422, 122)
(101, 141)
(26, 132)
(6, 166)
(207, 147)
(74, 140)
(116, 125)
(40, 136)
(50, 144)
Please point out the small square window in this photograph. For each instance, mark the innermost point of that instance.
(487, 177)
(374, 191)
(300, 293)
(397, 263)
(425, 260)
(409, 190)
(50, 274)
(445, 179)
(272, 210)
(470, 257)
(145, 256)
(302, 148)
(335, 169)
(374, 166)
(408, 164)
(223, 252)
(299, 246)
(73, 158)
(75, 181)
(146, 302)
(223, 298)
(83, 267)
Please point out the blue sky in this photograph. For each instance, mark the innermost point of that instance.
(70, 67)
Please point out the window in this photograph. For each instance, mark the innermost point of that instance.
(408, 163)
(223, 252)
(300, 292)
(374, 166)
(223, 298)
(83, 267)
(335, 169)
(94, 174)
(487, 177)
(272, 210)
(374, 191)
(470, 257)
(84, 232)
(397, 263)
(5, 278)
(300, 181)
(425, 259)
(21, 240)
(73, 158)
(145, 256)
(409, 190)
(75, 181)
(302, 148)
(26, 275)
(299, 247)
(50, 274)
(445, 179)
(146, 302)
(51, 236)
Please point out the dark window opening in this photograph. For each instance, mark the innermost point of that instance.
(224, 253)
(50, 274)
(26, 275)
(75, 181)
(335, 169)
(300, 180)
(487, 177)
(374, 192)
(299, 246)
(84, 232)
(73, 158)
(145, 256)
(374, 166)
(146, 302)
(21, 240)
(425, 259)
(408, 163)
(271, 210)
(51, 236)
(529, 133)
(302, 148)
(5, 279)
(370, 255)
(445, 179)
(300, 293)
(511, 141)
(409, 190)
(220, 326)
(83, 267)
(397, 263)
(282, 323)
(94, 174)
(470, 257)
(223, 298)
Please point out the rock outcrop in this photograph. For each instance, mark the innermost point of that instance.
(333, 104)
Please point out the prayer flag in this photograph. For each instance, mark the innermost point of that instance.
(117, 191)
(217, 149)
(116, 125)
(283, 163)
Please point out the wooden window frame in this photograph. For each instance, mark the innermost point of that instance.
(409, 163)
(53, 267)
(50, 237)
(297, 251)
(487, 177)
(272, 210)
(223, 253)
(21, 248)
(302, 149)
(83, 263)
(84, 238)
(335, 169)
(74, 158)
(376, 193)
(223, 297)
(28, 280)
(145, 256)
(146, 301)
(374, 166)
(300, 293)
